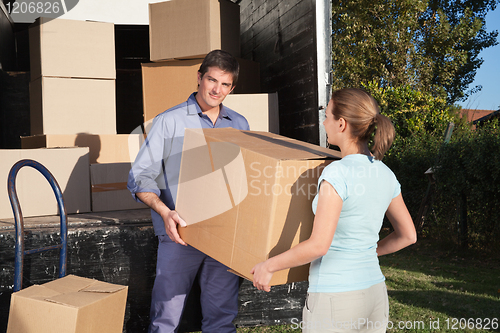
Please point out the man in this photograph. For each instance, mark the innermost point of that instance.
(153, 180)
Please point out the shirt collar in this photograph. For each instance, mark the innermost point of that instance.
(194, 108)
(223, 112)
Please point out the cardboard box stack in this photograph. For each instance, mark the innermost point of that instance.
(181, 33)
(72, 88)
(72, 104)
(110, 157)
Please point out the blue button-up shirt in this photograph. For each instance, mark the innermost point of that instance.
(157, 165)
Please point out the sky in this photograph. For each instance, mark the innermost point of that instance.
(488, 75)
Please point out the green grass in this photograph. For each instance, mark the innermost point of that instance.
(431, 288)
(427, 284)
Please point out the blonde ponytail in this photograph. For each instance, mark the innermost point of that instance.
(362, 112)
(384, 135)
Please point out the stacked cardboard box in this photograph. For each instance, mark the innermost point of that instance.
(72, 88)
(70, 168)
(110, 157)
(261, 110)
(103, 148)
(181, 33)
(189, 29)
(72, 102)
(109, 187)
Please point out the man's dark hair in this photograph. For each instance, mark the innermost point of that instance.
(222, 60)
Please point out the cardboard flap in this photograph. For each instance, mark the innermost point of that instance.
(272, 145)
(91, 291)
(76, 299)
(238, 274)
(37, 292)
(69, 283)
(284, 148)
(103, 287)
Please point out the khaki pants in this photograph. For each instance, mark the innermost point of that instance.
(364, 310)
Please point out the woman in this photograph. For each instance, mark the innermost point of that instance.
(347, 291)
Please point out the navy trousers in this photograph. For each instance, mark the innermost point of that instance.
(176, 268)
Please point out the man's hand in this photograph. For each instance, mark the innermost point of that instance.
(170, 217)
(171, 220)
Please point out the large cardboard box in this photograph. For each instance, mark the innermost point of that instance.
(109, 187)
(70, 168)
(103, 148)
(70, 304)
(166, 84)
(246, 196)
(261, 110)
(71, 106)
(192, 28)
(71, 48)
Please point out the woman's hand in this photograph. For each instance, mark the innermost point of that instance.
(404, 233)
(261, 276)
(325, 224)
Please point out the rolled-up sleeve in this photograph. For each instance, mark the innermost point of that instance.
(146, 174)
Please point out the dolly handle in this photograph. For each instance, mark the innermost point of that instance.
(19, 222)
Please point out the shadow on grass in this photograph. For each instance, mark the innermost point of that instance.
(453, 305)
(444, 270)
(447, 284)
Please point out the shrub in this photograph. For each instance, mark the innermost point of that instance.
(469, 165)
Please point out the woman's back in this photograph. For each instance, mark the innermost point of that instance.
(366, 187)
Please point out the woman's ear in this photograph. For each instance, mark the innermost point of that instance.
(342, 124)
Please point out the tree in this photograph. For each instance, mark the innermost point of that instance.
(431, 46)
(411, 111)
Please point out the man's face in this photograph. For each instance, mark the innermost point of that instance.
(213, 87)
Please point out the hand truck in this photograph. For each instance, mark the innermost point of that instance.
(20, 252)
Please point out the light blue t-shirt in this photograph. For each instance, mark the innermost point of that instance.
(366, 187)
